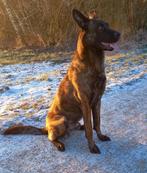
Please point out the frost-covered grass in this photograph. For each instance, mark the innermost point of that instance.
(30, 88)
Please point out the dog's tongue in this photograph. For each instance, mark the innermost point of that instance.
(110, 46)
(115, 46)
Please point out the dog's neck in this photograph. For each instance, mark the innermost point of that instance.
(89, 55)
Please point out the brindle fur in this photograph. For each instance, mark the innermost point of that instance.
(82, 87)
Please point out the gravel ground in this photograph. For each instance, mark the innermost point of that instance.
(124, 118)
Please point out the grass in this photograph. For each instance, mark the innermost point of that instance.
(29, 56)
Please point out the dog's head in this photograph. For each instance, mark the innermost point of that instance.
(98, 34)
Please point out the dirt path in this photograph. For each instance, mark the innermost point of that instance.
(123, 118)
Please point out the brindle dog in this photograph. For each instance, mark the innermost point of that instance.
(80, 91)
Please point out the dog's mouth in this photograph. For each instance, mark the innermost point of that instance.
(107, 46)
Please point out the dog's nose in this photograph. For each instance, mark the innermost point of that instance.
(116, 34)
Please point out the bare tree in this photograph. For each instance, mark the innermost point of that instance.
(11, 17)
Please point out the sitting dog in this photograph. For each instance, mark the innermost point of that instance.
(79, 93)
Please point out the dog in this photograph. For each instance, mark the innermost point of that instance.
(79, 93)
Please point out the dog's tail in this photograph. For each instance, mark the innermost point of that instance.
(15, 130)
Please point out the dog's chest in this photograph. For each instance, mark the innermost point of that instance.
(89, 79)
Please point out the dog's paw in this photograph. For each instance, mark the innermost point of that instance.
(61, 147)
(103, 137)
(94, 149)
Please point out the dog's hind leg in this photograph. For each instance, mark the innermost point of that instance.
(56, 126)
(53, 136)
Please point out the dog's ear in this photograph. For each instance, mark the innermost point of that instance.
(81, 20)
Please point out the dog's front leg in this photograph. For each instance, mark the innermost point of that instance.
(96, 120)
(85, 106)
(88, 124)
(99, 89)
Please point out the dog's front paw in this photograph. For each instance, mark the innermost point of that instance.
(94, 149)
(103, 137)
